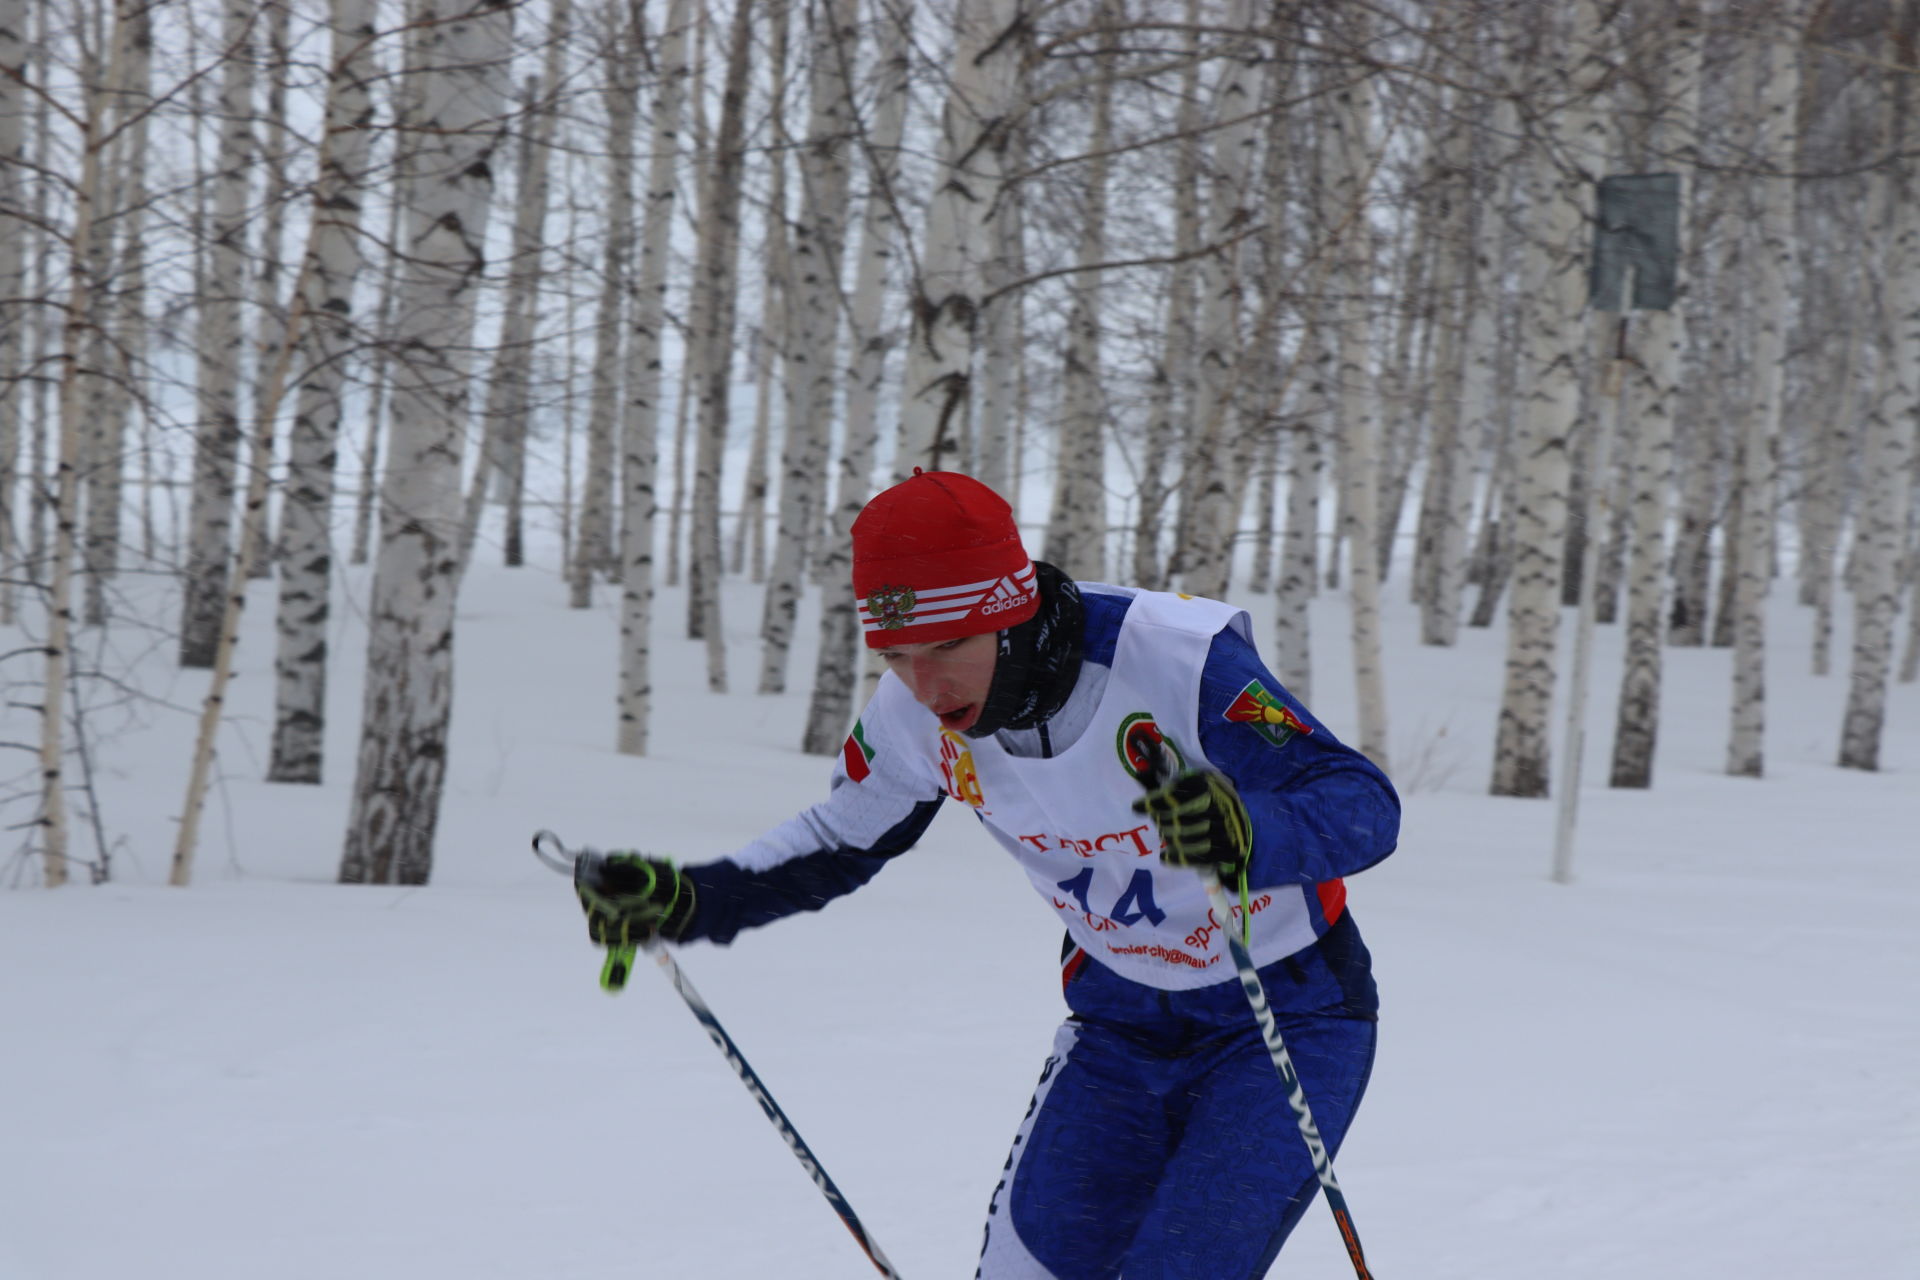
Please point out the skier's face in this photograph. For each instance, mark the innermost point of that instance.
(948, 677)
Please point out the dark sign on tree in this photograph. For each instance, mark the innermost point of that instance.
(1637, 230)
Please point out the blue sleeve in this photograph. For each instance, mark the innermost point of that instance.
(729, 897)
(1320, 809)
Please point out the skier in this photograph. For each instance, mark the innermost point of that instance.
(1160, 1142)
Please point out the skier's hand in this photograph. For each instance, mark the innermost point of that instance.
(1202, 823)
(630, 898)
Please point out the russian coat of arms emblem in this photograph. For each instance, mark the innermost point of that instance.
(891, 607)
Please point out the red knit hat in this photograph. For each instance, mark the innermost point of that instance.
(937, 557)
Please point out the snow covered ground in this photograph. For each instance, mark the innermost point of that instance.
(1702, 1059)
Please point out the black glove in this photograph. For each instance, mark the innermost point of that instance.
(1202, 823)
(630, 898)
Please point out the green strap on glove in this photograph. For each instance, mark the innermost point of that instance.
(630, 900)
(1203, 825)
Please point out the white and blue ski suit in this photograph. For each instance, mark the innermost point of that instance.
(1160, 1143)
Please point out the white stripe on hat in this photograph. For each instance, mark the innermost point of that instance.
(950, 604)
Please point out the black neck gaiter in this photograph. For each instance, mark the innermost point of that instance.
(1039, 661)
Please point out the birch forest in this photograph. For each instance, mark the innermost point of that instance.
(1227, 296)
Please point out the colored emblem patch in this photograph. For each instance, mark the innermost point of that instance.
(956, 762)
(1138, 735)
(857, 754)
(891, 607)
(1266, 715)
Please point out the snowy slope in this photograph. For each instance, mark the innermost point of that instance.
(1700, 1060)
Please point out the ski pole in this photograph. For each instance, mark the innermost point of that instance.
(613, 977)
(1256, 993)
(1283, 1063)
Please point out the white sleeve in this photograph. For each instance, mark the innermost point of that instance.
(880, 798)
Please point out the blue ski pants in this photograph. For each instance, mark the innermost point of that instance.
(1158, 1162)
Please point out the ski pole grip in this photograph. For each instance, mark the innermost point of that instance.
(619, 963)
(588, 869)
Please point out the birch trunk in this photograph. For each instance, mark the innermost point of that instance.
(76, 339)
(109, 375)
(1653, 399)
(1403, 394)
(1714, 395)
(989, 42)
(219, 343)
(1300, 546)
(378, 388)
(1886, 475)
(1555, 346)
(1834, 448)
(1775, 278)
(1490, 567)
(1348, 154)
(306, 581)
(460, 89)
(1076, 529)
(1001, 408)
(593, 552)
(1211, 513)
(770, 338)
(641, 438)
(1265, 502)
(710, 325)
(46, 336)
(509, 399)
(830, 709)
(16, 317)
(1170, 391)
(269, 306)
(131, 325)
(749, 553)
(1461, 371)
(813, 341)
(1910, 662)
(682, 412)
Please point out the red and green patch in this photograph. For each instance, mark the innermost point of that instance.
(1135, 742)
(1266, 715)
(857, 754)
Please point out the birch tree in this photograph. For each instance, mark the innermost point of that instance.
(1775, 276)
(1555, 345)
(130, 322)
(1170, 389)
(970, 160)
(770, 340)
(457, 88)
(640, 437)
(593, 548)
(1348, 154)
(77, 321)
(1076, 529)
(1886, 472)
(1300, 543)
(220, 342)
(710, 325)
(109, 378)
(830, 708)
(1463, 374)
(1210, 510)
(1653, 397)
(1000, 403)
(16, 316)
(275, 143)
(509, 390)
(813, 368)
(306, 580)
